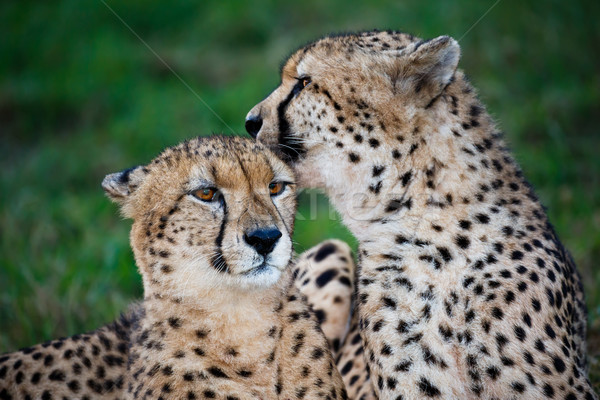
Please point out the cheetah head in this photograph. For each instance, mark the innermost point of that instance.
(208, 213)
(344, 98)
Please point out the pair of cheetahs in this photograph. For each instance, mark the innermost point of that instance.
(463, 289)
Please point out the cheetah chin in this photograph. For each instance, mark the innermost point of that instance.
(264, 275)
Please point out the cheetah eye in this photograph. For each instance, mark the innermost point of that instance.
(276, 188)
(301, 83)
(205, 194)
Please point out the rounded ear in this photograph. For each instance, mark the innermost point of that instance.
(426, 69)
(120, 185)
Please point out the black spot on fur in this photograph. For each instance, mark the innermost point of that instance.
(377, 170)
(462, 241)
(405, 178)
(325, 277)
(427, 388)
(374, 143)
(217, 372)
(325, 251)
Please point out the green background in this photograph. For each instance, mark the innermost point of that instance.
(81, 96)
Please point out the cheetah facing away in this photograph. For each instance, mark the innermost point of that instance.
(221, 316)
(464, 289)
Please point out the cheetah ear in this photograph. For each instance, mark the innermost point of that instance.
(428, 68)
(120, 185)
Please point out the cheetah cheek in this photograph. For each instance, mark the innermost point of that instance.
(308, 175)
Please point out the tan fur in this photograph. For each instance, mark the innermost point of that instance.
(351, 363)
(325, 275)
(218, 319)
(332, 305)
(464, 289)
(83, 366)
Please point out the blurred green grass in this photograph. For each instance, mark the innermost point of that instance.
(81, 96)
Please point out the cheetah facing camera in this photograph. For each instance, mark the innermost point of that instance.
(464, 289)
(221, 317)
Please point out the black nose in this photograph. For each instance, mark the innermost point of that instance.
(263, 239)
(253, 125)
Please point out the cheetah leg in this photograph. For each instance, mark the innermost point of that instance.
(86, 366)
(352, 364)
(325, 275)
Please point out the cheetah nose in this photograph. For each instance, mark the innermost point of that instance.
(263, 239)
(253, 125)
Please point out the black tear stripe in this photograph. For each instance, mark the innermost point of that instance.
(124, 177)
(287, 228)
(291, 151)
(218, 261)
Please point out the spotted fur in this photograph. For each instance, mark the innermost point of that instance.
(326, 275)
(221, 317)
(464, 289)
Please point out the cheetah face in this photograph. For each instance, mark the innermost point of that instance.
(334, 104)
(209, 213)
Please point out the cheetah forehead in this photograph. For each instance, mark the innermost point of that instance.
(373, 43)
(220, 161)
(232, 164)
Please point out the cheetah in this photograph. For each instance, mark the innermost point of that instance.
(464, 289)
(222, 317)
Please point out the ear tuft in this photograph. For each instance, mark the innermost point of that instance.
(438, 58)
(423, 70)
(120, 185)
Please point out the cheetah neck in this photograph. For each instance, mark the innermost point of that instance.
(453, 167)
(232, 307)
(219, 334)
(215, 324)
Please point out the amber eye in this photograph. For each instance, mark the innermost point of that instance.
(205, 194)
(276, 188)
(301, 83)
